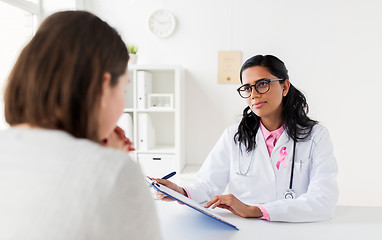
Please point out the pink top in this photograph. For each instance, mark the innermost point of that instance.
(271, 139)
(188, 194)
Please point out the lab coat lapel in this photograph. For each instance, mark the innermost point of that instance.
(283, 140)
(262, 148)
(260, 144)
(268, 174)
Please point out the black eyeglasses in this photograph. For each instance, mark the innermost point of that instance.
(261, 86)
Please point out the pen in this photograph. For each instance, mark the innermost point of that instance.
(169, 175)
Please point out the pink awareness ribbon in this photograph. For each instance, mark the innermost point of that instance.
(283, 153)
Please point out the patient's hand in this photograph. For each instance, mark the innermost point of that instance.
(118, 140)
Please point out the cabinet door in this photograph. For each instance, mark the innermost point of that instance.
(126, 123)
(144, 87)
(156, 165)
(129, 92)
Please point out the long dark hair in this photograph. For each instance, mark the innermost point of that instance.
(294, 107)
(57, 80)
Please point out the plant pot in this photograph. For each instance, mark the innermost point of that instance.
(133, 58)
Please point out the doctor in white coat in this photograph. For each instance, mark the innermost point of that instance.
(278, 164)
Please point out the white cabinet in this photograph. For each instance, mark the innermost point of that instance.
(154, 118)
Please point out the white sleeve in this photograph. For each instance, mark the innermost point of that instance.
(319, 202)
(213, 176)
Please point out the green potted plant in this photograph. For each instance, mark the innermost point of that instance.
(133, 49)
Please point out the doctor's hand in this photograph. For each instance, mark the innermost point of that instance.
(234, 205)
(118, 140)
(168, 184)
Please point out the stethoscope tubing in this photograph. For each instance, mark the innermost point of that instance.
(292, 168)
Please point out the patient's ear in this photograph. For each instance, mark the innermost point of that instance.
(106, 90)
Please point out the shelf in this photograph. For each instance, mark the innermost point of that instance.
(155, 110)
(159, 149)
(164, 110)
(154, 117)
(154, 67)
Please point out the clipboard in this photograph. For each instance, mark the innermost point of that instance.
(187, 201)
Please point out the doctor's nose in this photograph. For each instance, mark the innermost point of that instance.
(254, 93)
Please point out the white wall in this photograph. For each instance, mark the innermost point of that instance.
(18, 25)
(331, 48)
(50, 6)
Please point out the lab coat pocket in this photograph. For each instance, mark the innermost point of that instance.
(301, 177)
(302, 165)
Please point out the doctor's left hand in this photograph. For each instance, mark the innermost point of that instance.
(233, 204)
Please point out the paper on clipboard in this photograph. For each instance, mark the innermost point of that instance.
(187, 201)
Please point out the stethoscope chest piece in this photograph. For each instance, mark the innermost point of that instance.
(289, 194)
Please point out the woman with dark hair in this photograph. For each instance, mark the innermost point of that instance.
(64, 168)
(278, 164)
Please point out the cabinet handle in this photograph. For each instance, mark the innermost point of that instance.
(157, 159)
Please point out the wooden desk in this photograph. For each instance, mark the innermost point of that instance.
(181, 222)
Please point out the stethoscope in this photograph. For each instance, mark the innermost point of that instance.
(289, 194)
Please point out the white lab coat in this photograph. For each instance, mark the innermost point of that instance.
(314, 180)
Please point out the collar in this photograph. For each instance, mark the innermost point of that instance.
(276, 133)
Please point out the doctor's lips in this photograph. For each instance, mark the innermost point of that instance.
(258, 104)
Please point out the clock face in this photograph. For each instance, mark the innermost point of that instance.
(162, 23)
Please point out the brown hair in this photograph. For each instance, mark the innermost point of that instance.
(57, 80)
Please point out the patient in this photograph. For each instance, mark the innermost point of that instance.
(62, 100)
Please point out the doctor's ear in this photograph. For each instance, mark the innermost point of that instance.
(286, 86)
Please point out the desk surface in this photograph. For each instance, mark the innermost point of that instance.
(181, 222)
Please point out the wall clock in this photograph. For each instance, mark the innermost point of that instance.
(162, 23)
